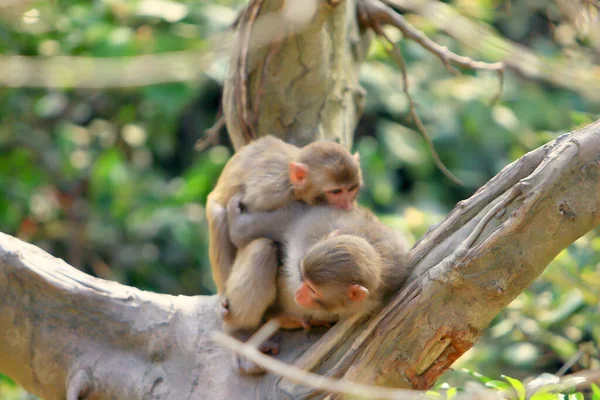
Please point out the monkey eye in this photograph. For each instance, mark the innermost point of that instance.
(337, 191)
(353, 187)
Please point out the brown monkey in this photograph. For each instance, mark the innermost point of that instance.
(269, 174)
(336, 264)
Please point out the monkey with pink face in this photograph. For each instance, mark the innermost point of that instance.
(268, 174)
(335, 264)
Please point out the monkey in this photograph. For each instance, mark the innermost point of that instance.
(270, 173)
(336, 264)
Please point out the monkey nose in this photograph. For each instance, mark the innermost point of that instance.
(347, 205)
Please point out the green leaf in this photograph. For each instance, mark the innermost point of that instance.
(595, 391)
(481, 378)
(451, 393)
(545, 396)
(576, 396)
(499, 385)
(517, 385)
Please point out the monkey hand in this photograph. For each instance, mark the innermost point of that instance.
(240, 223)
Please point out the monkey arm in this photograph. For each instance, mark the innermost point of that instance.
(245, 227)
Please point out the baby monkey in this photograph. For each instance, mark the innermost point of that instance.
(336, 264)
(269, 174)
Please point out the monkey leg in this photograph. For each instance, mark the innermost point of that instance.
(221, 250)
(250, 290)
(252, 285)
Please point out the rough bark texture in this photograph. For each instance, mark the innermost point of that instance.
(67, 335)
(305, 85)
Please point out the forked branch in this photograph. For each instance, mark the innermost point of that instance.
(373, 14)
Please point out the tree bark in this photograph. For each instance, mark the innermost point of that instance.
(301, 86)
(67, 335)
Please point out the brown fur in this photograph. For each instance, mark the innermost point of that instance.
(260, 172)
(257, 263)
(365, 252)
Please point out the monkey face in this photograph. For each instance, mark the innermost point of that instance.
(334, 298)
(307, 296)
(342, 197)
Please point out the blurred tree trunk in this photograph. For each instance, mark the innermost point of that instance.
(67, 335)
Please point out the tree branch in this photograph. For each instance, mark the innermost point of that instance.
(77, 335)
(305, 86)
(573, 75)
(73, 336)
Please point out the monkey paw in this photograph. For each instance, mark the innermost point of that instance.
(269, 347)
(318, 323)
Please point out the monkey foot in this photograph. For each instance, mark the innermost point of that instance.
(318, 323)
(269, 347)
(290, 322)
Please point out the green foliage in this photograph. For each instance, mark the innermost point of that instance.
(543, 387)
(109, 180)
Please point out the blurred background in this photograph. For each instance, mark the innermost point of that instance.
(106, 176)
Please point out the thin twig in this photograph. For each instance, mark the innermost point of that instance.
(395, 53)
(498, 95)
(319, 382)
(264, 333)
(380, 13)
(570, 362)
(245, 28)
(386, 15)
(211, 135)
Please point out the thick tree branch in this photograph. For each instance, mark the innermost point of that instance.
(73, 336)
(71, 333)
(306, 83)
(475, 262)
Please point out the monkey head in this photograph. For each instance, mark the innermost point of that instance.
(338, 274)
(326, 173)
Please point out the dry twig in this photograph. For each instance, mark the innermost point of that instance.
(395, 53)
(211, 135)
(313, 380)
(245, 25)
(386, 15)
(374, 13)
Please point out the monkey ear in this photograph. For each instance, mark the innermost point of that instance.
(333, 233)
(356, 157)
(357, 292)
(298, 173)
